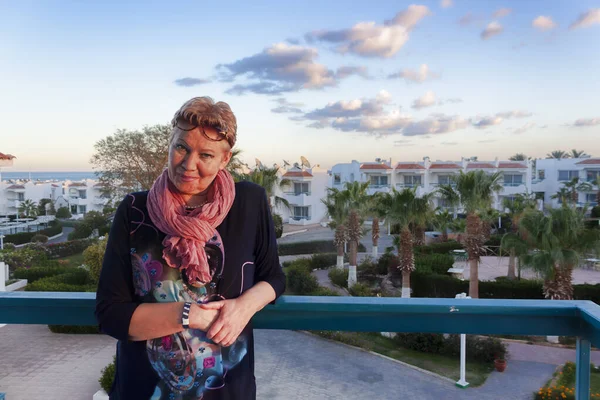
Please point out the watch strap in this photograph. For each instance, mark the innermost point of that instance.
(185, 315)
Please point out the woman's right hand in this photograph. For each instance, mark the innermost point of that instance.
(202, 319)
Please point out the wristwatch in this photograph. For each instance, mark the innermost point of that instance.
(185, 315)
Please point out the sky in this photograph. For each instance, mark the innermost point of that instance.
(331, 81)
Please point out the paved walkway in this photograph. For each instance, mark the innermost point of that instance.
(37, 364)
(64, 237)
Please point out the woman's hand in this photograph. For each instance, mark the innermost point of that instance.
(202, 319)
(233, 317)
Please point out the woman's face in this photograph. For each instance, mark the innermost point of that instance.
(195, 161)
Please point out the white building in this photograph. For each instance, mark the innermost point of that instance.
(79, 197)
(427, 175)
(552, 174)
(308, 187)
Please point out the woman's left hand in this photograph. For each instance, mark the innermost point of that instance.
(234, 315)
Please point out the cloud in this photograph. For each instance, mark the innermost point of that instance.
(419, 76)
(368, 39)
(402, 142)
(435, 125)
(318, 125)
(427, 100)
(188, 82)
(582, 122)
(346, 71)
(352, 108)
(279, 68)
(294, 41)
(446, 3)
(544, 23)
(466, 19)
(450, 143)
(524, 128)
(285, 107)
(492, 29)
(587, 19)
(502, 12)
(453, 100)
(486, 122)
(514, 114)
(486, 141)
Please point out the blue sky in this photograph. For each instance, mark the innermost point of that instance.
(351, 81)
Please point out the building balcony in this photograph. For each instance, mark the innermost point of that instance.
(100, 200)
(78, 201)
(408, 185)
(300, 199)
(300, 220)
(580, 319)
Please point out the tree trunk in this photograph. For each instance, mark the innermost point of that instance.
(598, 197)
(560, 286)
(407, 260)
(474, 240)
(339, 240)
(340, 257)
(375, 232)
(419, 235)
(574, 196)
(445, 235)
(511, 265)
(352, 268)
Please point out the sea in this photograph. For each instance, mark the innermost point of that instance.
(47, 176)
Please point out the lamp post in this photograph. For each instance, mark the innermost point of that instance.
(462, 382)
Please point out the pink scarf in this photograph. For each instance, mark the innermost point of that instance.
(187, 233)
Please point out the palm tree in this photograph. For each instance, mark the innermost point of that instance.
(574, 187)
(28, 208)
(518, 157)
(558, 154)
(407, 209)
(563, 195)
(557, 239)
(235, 165)
(357, 201)
(516, 207)
(577, 153)
(473, 191)
(337, 210)
(442, 222)
(377, 210)
(270, 180)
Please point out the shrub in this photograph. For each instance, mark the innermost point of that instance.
(37, 273)
(104, 231)
(32, 255)
(298, 277)
(107, 376)
(434, 263)
(435, 285)
(82, 231)
(323, 291)
(93, 257)
(339, 277)
(278, 222)
(39, 238)
(66, 249)
(323, 260)
(439, 248)
(360, 290)
(312, 247)
(386, 260)
(76, 280)
(587, 292)
(368, 269)
(26, 237)
(63, 212)
(9, 247)
(76, 329)
(517, 289)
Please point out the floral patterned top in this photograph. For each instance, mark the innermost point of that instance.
(186, 365)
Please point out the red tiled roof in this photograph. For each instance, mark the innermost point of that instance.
(479, 165)
(594, 161)
(297, 174)
(375, 166)
(444, 166)
(512, 165)
(77, 184)
(16, 187)
(409, 166)
(53, 185)
(6, 156)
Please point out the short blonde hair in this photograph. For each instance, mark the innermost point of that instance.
(203, 111)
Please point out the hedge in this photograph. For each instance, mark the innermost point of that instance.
(66, 249)
(299, 279)
(438, 248)
(107, 376)
(339, 277)
(37, 273)
(77, 280)
(434, 263)
(312, 247)
(25, 237)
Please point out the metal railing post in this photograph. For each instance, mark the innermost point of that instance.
(582, 382)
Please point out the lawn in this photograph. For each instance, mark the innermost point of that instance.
(73, 261)
(562, 384)
(449, 367)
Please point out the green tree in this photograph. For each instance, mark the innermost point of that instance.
(558, 154)
(236, 166)
(442, 222)
(557, 239)
(28, 208)
(474, 191)
(337, 210)
(577, 153)
(407, 209)
(270, 180)
(563, 195)
(63, 212)
(516, 207)
(518, 157)
(44, 207)
(575, 186)
(377, 211)
(93, 257)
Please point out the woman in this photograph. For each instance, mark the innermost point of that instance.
(187, 265)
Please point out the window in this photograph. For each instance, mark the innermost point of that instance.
(21, 196)
(337, 179)
(590, 197)
(592, 175)
(444, 179)
(513, 180)
(83, 194)
(412, 180)
(567, 175)
(541, 174)
(301, 213)
(74, 209)
(379, 180)
(301, 188)
(82, 209)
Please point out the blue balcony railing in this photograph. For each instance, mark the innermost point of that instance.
(379, 186)
(408, 185)
(297, 193)
(513, 184)
(368, 314)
